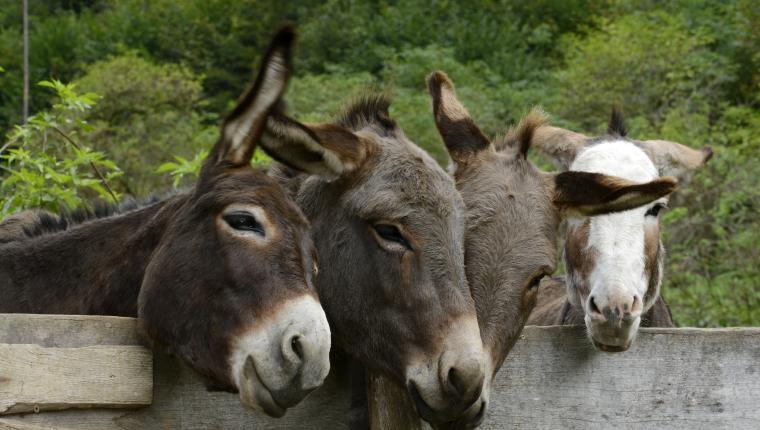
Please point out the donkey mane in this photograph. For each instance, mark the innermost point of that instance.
(365, 109)
(520, 135)
(616, 127)
(49, 223)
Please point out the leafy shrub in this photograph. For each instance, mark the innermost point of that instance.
(45, 167)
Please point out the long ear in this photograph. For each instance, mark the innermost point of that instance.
(460, 134)
(674, 159)
(243, 127)
(561, 145)
(584, 193)
(322, 149)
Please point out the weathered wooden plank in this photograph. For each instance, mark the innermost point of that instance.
(181, 401)
(68, 331)
(35, 378)
(670, 378)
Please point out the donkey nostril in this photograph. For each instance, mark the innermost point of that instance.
(592, 305)
(295, 345)
(456, 381)
(636, 305)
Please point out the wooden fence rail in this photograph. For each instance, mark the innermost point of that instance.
(80, 372)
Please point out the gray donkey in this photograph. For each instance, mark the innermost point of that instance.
(390, 233)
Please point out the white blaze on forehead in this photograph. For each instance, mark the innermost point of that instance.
(272, 84)
(618, 238)
(264, 342)
(616, 157)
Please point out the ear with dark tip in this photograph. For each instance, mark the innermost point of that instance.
(674, 159)
(244, 125)
(559, 144)
(328, 150)
(457, 129)
(587, 194)
(616, 127)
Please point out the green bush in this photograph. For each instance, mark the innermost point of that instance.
(44, 165)
(684, 70)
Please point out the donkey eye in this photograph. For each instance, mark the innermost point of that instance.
(244, 221)
(391, 233)
(534, 283)
(655, 210)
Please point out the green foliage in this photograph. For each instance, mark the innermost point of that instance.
(148, 113)
(684, 70)
(45, 168)
(712, 276)
(182, 169)
(650, 63)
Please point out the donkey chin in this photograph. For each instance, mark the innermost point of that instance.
(612, 337)
(277, 362)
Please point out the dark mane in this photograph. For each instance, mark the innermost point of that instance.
(616, 127)
(521, 134)
(48, 223)
(370, 108)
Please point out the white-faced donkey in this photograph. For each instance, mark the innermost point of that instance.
(614, 261)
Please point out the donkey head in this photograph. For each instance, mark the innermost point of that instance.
(513, 214)
(615, 261)
(229, 286)
(389, 226)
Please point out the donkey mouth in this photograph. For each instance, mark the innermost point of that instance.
(465, 423)
(425, 411)
(610, 348)
(256, 394)
(439, 419)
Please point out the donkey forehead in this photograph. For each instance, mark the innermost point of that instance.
(616, 157)
(404, 180)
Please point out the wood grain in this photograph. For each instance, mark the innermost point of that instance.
(34, 378)
(553, 379)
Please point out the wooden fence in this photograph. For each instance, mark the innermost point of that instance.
(79, 372)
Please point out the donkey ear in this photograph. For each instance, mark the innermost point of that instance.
(588, 194)
(328, 150)
(459, 133)
(674, 159)
(243, 127)
(561, 145)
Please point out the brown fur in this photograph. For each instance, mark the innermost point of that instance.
(579, 256)
(191, 285)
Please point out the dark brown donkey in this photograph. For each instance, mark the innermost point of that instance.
(513, 215)
(614, 261)
(220, 274)
(390, 233)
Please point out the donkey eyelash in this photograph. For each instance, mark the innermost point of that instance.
(656, 209)
(244, 221)
(391, 233)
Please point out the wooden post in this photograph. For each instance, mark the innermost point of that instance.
(25, 113)
(390, 408)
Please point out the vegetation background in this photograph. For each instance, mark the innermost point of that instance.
(139, 87)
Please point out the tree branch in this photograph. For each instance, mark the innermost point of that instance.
(94, 167)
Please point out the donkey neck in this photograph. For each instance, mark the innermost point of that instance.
(93, 268)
